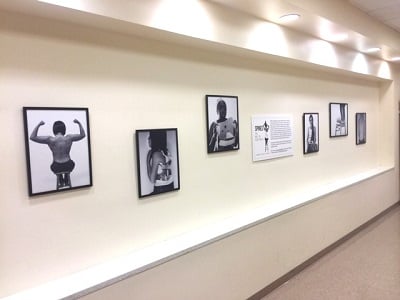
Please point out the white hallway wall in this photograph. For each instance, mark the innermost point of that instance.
(130, 83)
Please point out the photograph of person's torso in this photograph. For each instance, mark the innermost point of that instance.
(58, 149)
(158, 161)
(222, 122)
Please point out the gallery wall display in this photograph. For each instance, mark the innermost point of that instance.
(222, 123)
(272, 136)
(361, 128)
(57, 142)
(310, 133)
(338, 119)
(157, 161)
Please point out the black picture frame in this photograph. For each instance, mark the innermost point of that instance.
(361, 128)
(310, 133)
(57, 146)
(163, 176)
(338, 119)
(222, 123)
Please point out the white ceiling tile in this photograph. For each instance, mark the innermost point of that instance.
(394, 23)
(386, 11)
(371, 5)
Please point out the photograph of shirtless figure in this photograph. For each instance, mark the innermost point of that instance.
(222, 123)
(57, 144)
(157, 161)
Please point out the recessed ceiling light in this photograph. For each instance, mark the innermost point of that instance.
(289, 17)
(337, 37)
(396, 58)
(372, 50)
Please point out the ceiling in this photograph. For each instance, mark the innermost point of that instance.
(322, 19)
(386, 11)
(331, 24)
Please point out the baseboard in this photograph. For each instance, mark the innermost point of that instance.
(277, 283)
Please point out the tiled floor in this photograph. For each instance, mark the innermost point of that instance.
(366, 267)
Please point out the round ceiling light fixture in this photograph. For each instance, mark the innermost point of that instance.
(289, 17)
(372, 50)
(339, 37)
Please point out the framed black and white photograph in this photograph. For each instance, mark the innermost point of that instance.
(338, 119)
(157, 161)
(222, 123)
(57, 143)
(310, 133)
(361, 128)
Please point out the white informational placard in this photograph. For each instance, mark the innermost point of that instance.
(272, 136)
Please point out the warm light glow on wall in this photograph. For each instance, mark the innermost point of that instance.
(384, 70)
(185, 17)
(323, 53)
(360, 64)
(329, 33)
(268, 38)
(74, 4)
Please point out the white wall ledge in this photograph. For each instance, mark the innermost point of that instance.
(113, 271)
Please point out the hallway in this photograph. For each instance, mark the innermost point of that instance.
(366, 267)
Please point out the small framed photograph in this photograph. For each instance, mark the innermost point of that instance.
(157, 161)
(361, 128)
(57, 143)
(222, 123)
(310, 133)
(338, 119)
